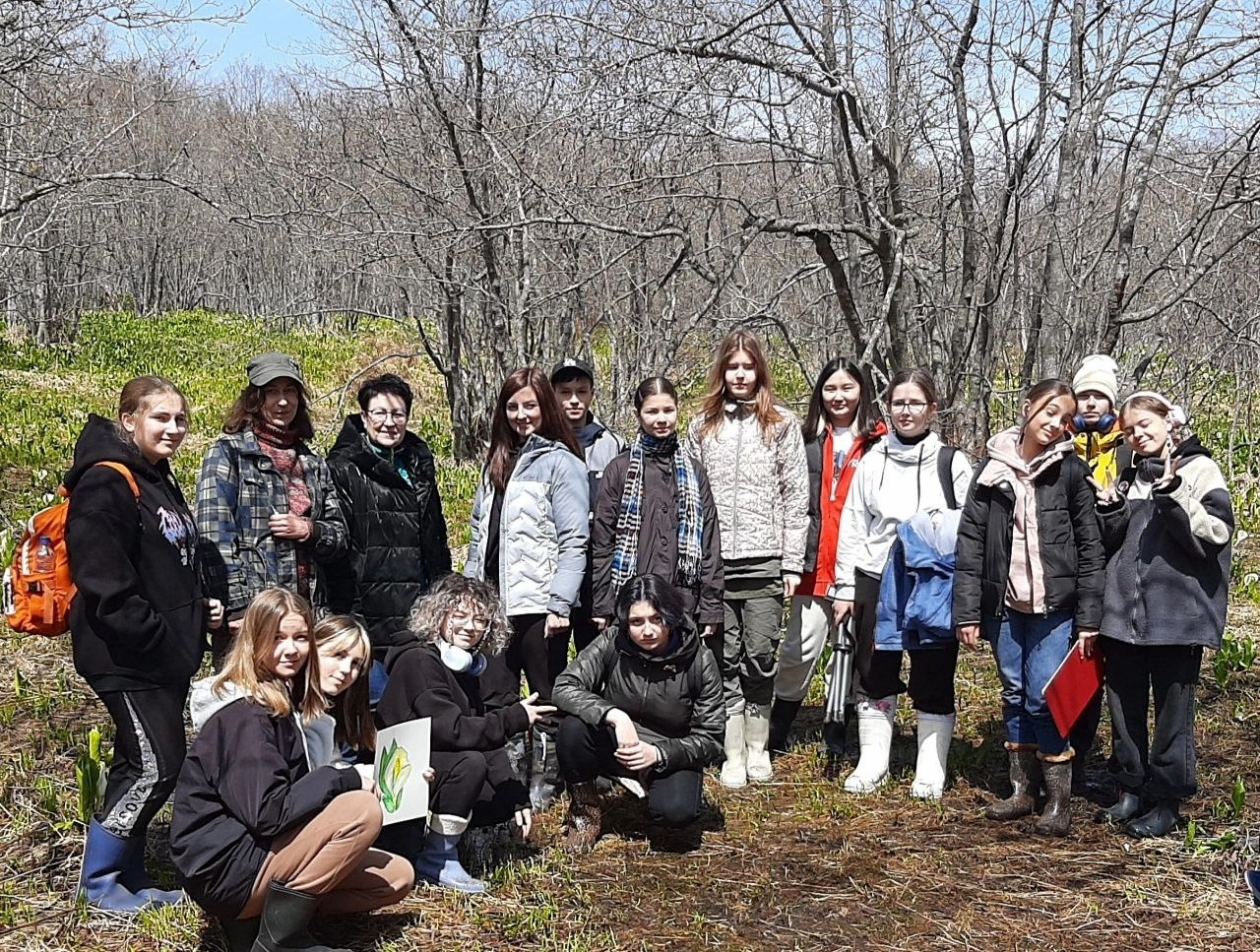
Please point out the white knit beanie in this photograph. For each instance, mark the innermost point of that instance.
(1098, 372)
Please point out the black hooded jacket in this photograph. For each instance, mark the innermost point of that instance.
(674, 699)
(138, 617)
(398, 544)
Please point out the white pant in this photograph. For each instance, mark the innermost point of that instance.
(809, 629)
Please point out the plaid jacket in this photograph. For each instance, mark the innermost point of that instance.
(237, 491)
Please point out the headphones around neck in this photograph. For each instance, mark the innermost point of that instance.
(1105, 423)
(459, 660)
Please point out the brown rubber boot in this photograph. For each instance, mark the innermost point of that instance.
(1056, 818)
(585, 820)
(1023, 787)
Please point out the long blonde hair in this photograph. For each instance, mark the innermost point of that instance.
(246, 662)
(712, 411)
(351, 709)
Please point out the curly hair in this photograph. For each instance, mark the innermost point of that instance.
(430, 612)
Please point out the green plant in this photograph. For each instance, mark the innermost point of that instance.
(1236, 654)
(1197, 843)
(90, 772)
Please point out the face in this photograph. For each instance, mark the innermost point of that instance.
(659, 416)
(1046, 425)
(280, 402)
(1145, 432)
(912, 414)
(740, 376)
(159, 427)
(840, 395)
(289, 648)
(386, 419)
(647, 628)
(341, 662)
(1091, 405)
(466, 627)
(524, 413)
(574, 397)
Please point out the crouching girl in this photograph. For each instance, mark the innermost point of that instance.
(457, 627)
(260, 839)
(1167, 525)
(647, 704)
(1029, 572)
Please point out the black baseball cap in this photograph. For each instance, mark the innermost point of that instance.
(571, 366)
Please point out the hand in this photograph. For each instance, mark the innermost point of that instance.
(641, 756)
(708, 631)
(969, 635)
(1170, 473)
(429, 774)
(285, 525)
(367, 778)
(840, 610)
(234, 626)
(525, 820)
(790, 583)
(623, 727)
(599, 623)
(214, 613)
(1105, 494)
(537, 712)
(1086, 642)
(555, 625)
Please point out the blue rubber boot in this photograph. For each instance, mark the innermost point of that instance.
(137, 879)
(104, 859)
(439, 863)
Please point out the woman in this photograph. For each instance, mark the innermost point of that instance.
(908, 473)
(647, 703)
(1029, 577)
(754, 456)
(530, 527)
(138, 623)
(840, 426)
(387, 486)
(1167, 526)
(654, 515)
(343, 652)
(266, 506)
(455, 629)
(262, 840)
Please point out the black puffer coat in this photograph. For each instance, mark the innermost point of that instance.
(674, 699)
(398, 544)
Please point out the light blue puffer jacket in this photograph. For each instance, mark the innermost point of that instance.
(544, 530)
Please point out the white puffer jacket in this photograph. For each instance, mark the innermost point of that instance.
(760, 487)
(543, 531)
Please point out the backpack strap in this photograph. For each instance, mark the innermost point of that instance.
(125, 473)
(945, 471)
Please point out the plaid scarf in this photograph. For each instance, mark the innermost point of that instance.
(625, 560)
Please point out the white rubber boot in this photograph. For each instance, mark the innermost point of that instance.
(735, 771)
(935, 733)
(875, 734)
(757, 743)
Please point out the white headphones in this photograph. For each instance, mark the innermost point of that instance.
(1176, 414)
(459, 660)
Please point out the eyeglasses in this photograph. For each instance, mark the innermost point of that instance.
(380, 416)
(913, 406)
(474, 622)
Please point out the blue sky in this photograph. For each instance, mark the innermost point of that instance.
(272, 34)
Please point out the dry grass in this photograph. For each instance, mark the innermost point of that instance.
(795, 864)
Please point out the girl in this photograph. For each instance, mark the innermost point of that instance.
(841, 426)
(456, 629)
(256, 832)
(1167, 526)
(646, 700)
(137, 622)
(1030, 572)
(910, 472)
(655, 515)
(753, 454)
(530, 527)
(265, 501)
(343, 654)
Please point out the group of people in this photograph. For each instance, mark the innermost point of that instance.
(325, 587)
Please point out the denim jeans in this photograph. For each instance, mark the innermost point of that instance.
(1029, 648)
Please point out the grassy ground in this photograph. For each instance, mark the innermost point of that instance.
(795, 864)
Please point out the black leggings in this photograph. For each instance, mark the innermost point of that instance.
(932, 670)
(463, 789)
(588, 752)
(539, 657)
(149, 750)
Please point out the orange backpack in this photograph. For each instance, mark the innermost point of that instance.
(37, 586)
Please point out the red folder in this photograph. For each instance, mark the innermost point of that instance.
(1072, 687)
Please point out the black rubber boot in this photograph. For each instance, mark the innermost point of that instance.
(285, 917)
(1056, 818)
(544, 779)
(240, 934)
(782, 715)
(1158, 822)
(1023, 772)
(1124, 809)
